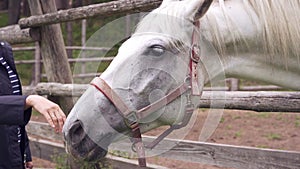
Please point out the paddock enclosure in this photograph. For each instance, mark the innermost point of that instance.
(43, 27)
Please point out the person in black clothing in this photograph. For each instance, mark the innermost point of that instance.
(15, 112)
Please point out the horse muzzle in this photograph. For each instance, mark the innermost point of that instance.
(81, 146)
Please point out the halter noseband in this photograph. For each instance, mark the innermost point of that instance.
(132, 117)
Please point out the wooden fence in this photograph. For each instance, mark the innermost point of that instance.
(199, 152)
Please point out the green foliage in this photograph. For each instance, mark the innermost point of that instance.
(3, 19)
(62, 161)
(24, 70)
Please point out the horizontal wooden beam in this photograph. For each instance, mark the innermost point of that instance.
(256, 101)
(217, 154)
(260, 101)
(14, 35)
(71, 60)
(33, 48)
(100, 10)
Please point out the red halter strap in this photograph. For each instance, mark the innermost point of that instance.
(130, 120)
(132, 117)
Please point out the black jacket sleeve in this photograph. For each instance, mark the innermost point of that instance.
(12, 110)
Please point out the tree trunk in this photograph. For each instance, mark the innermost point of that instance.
(14, 8)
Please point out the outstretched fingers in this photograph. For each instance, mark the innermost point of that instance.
(56, 118)
(51, 111)
(59, 119)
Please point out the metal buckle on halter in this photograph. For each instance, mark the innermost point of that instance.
(131, 120)
(195, 53)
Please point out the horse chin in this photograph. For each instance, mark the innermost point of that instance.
(95, 154)
(81, 147)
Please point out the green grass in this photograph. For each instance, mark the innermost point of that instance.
(297, 123)
(263, 115)
(274, 136)
(238, 134)
(262, 146)
(229, 127)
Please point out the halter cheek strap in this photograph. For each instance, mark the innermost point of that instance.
(130, 118)
(194, 60)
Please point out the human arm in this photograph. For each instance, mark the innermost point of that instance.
(16, 110)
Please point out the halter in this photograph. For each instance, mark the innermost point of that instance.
(131, 118)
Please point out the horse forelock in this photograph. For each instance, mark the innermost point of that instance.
(177, 31)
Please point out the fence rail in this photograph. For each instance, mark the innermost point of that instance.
(76, 60)
(256, 101)
(103, 10)
(33, 48)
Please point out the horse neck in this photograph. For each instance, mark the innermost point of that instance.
(237, 34)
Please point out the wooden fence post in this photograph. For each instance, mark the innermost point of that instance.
(37, 65)
(53, 50)
(234, 84)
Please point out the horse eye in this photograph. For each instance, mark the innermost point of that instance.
(157, 50)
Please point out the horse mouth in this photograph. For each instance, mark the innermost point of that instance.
(81, 146)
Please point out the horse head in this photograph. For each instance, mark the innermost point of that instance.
(150, 65)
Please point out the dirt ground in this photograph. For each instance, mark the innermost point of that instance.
(262, 130)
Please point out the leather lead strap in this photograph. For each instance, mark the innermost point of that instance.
(137, 141)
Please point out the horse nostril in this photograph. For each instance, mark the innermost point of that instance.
(76, 133)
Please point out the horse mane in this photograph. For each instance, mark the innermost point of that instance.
(278, 19)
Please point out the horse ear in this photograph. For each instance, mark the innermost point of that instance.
(197, 8)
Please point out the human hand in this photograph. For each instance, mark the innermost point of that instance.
(51, 111)
(28, 165)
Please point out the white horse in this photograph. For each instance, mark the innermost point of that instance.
(252, 39)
